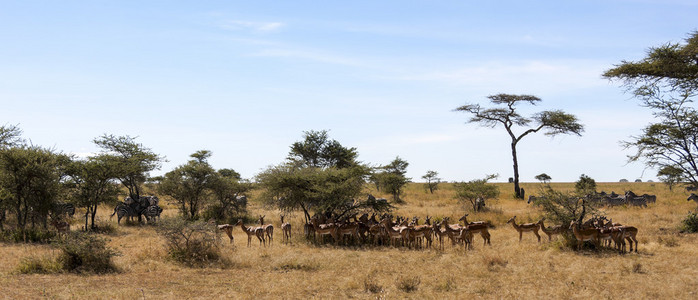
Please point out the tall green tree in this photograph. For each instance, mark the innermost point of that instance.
(189, 184)
(392, 178)
(132, 160)
(476, 192)
(671, 176)
(93, 182)
(433, 180)
(10, 136)
(317, 150)
(666, 82)
(552, 122)
(319, 176)
(30, 177)
(544, 178)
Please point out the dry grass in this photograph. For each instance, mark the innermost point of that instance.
(507, 269)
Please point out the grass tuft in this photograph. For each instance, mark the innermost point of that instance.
(408, 284)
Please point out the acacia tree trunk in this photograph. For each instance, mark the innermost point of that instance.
(517, 189)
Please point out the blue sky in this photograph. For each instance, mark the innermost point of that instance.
(244, 79)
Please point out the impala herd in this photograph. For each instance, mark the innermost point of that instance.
(403, 232)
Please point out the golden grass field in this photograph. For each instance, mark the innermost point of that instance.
(665, 267)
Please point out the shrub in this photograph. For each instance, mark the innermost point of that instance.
(195, 244)
(39, 265)
(690, 223)
(408, 284)
(86, 253)
(29, 235)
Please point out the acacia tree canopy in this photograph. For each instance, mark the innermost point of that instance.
(552, 122)
(665, 81)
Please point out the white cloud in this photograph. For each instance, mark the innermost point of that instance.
(255, 26)
(535, 76)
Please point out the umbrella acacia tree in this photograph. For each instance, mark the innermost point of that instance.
(666, 81)
(553, 122)
(93, 182)
(320, 175)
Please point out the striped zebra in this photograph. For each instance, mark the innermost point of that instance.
(152, 212)
(122, 210)
(62, 208)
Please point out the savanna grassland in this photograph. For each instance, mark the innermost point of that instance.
(665, 267)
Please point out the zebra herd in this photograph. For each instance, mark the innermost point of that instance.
(613, 199)
(144, 206)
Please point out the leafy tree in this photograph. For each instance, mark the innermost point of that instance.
(544, 178)
(188, 184)
(30, 177)
(477, 191)
(670, 176)
(318, 151)
(433, 181)
(585, 185)
(93, 182)
(315, 179)
(10, 136)
(132, 161)
(665, 81)
(554, 122)
(225, 187)
(392, 178)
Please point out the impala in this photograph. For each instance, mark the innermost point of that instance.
(252, 231)
(481, 227)
(61, 226)
(324, 229)
(528, 227)
(393, 234)
(268, 229)
(582, 235)
(286, 229)
(552, 230)
(228, 230)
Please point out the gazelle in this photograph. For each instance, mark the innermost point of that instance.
(268, 229)
(440, 234)
(582, 235)
(552, 230)
(252, 231)
(393, 234)
(61, 226)
(286, 229)
(453, 234)
(228, 230)
(324, 229)
(528, 227)
(481, 227)
(631, 236)
(348, 229)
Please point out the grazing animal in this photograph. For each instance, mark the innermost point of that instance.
(285, 229)
(152, 213)
(550, 231)
(693, 197)
(481, 227)
(528, 227)
(252, 231)
(582, 235)
(228, 230)
(61, 226)
(268, 229)
(122, 210)
(67, 209)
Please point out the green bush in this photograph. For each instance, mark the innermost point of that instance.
(690, 223)
(85, 253)
(39, 265)
(194, 244)
(29, 235)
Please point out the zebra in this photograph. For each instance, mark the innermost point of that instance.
(152, 212)
(123, 210)
(62, 208)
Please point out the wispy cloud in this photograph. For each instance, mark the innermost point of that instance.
(516, 76)
(254, 26)
(308, 54)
